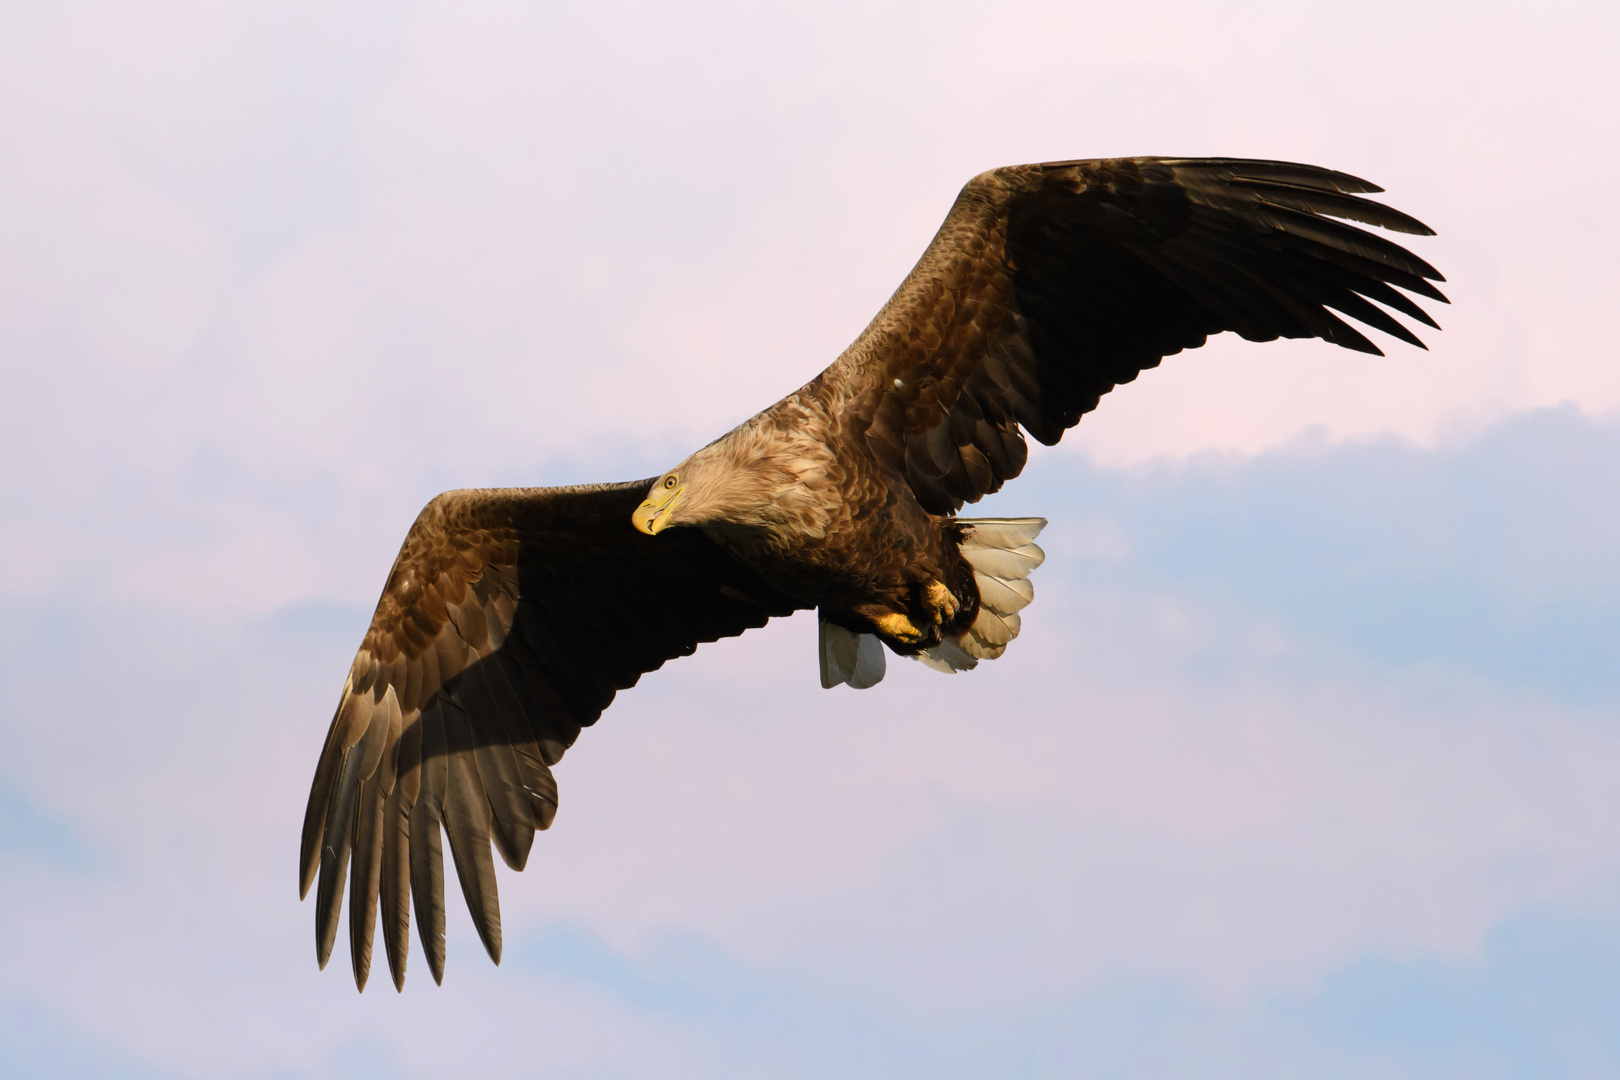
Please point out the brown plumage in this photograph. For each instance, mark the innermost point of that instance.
(512, 617)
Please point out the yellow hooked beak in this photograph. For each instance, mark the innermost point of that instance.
(652, 516)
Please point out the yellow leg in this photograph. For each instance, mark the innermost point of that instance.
(897, 626)
(941, 601)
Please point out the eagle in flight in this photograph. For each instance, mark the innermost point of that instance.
(512, 616)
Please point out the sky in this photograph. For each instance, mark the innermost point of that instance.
(1304, 764)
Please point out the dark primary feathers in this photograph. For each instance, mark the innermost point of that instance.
(512, 617)
(1048, 285)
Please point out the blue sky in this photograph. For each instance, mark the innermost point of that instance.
(1303, 765)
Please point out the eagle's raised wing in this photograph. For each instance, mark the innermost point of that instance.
(509, 621)
(1048, 285)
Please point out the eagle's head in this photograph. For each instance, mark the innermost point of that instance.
(657, 513)
(749, 478)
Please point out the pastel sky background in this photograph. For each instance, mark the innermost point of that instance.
(1308, 761)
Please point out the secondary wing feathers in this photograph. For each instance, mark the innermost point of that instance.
(509, 622)
(1048, 285)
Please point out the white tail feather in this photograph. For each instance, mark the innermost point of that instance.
(948, 656)
(1014, 562)
(1003, 596)
(1000, 533)
(1002, 552)
(848, 657)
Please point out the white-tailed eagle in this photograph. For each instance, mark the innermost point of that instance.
(513, 616)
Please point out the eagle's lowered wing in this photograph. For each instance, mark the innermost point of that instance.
(509, 621)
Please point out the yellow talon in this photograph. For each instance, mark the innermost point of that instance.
(941, 601)
(897, 626)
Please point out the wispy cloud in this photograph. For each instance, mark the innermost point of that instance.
(1185, 805)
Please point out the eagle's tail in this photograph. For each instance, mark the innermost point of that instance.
(848, 657)
(1002, 552)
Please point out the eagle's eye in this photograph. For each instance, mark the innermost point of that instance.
(669, 481)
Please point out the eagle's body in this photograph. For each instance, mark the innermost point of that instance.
(512, 617)
(799, 499)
